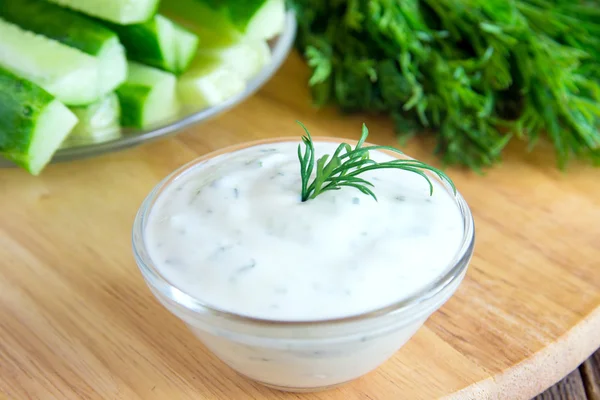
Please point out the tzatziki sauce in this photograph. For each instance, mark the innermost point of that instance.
(233, 233)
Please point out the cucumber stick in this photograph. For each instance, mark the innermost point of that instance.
(214, 31)
(148, 97)
(33, 123)
(97, 122)
(208, 83)
(267, 22)
(118, 11)
(65, 72)
(74, 30)
(158, 42)
(219, 40)
(254, 19)
(254, 53)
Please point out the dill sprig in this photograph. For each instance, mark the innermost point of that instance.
(346, 164)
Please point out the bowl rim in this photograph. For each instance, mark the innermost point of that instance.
(455, 270)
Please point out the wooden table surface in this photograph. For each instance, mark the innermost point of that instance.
(77, 321)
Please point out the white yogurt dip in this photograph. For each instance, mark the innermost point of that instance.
(226, 244)
(234, 234)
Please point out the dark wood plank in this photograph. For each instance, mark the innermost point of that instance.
(590, 374)
(570, 388)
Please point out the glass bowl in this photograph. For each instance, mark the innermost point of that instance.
(301, 355)
(280, 48)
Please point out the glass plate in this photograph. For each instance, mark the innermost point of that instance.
(280, 48)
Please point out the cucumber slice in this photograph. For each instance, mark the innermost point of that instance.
(208, 83)
(74, 30)
(148, 97)
(118, 11)
(33, 123)
(158, 42)
(98, 122)
(63, 71)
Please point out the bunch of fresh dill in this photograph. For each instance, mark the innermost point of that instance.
(476, 73)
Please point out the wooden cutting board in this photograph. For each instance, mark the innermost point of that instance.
(77, 321)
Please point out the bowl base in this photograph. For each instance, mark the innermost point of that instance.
(297, 389)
